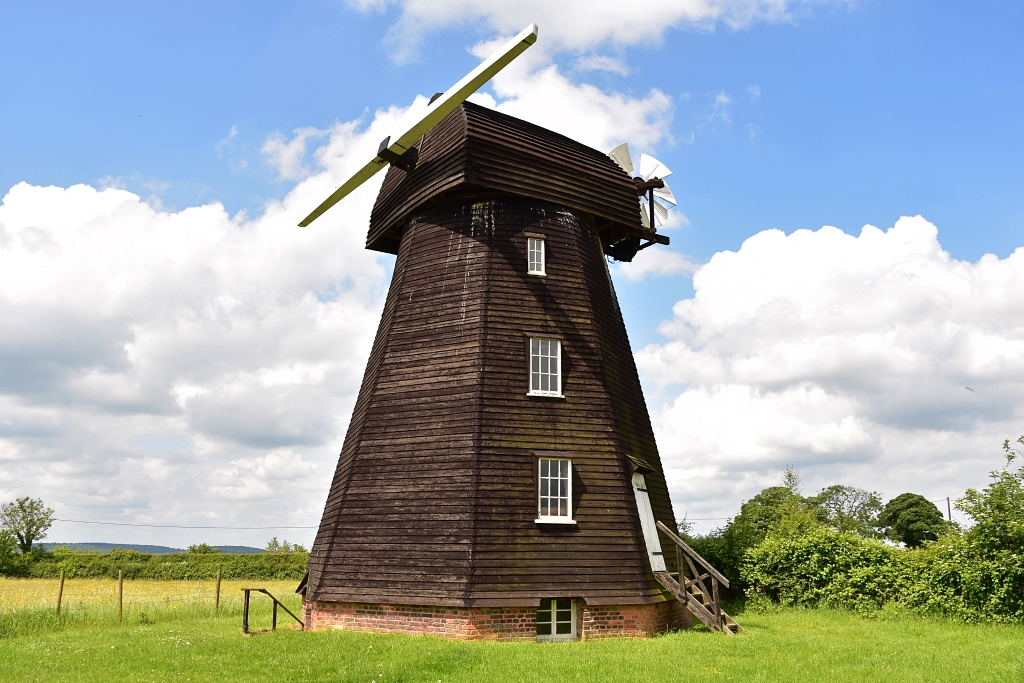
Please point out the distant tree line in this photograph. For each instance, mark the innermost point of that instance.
(839, 548)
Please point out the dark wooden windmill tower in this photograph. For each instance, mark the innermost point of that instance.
(500, 476)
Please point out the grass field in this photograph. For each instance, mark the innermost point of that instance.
(189, 643)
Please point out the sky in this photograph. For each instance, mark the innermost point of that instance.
(842, 294)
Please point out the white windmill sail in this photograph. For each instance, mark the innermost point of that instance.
(440, 108)
(665, 193)
(652, 168)
(620, 155)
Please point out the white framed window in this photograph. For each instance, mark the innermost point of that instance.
(554, 491)
(545, 367)
(535, 253)
(556, 619)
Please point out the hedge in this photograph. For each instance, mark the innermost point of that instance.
(179, 566)
(824, 567)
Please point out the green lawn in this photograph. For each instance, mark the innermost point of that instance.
(813, 645)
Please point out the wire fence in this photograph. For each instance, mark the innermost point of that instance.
(141, 594)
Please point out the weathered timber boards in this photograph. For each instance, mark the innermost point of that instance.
(475, 147)
(439, 457)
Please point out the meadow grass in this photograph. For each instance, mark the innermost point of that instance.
(27, 606)
(782, 645)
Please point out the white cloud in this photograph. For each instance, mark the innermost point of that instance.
(287, 156)
(579, 26)
(657, 262)
(542, 94)
(139, 342)
(846, 356)
(720, 102)
(601, 63)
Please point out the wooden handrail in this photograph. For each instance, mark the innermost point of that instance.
(245, 609)
(694, 554)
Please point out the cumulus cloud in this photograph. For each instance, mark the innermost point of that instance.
(144, 353)
(578, 26)
(538, 92)
(287, 156)
(656, 262)
(846, 356)
(192, 367)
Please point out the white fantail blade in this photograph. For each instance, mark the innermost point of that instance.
(652, 168)
(660, 213)
(440, 108)
(645, 219)
(665, 194)
(622, 157)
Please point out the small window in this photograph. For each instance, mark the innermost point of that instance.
(535, 247)
(554, 499)
(545, 367)
(556, 619)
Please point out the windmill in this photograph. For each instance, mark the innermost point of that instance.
(499, 477)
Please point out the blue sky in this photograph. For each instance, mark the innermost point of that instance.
(866, 111)
(838, 113)
(845, 115)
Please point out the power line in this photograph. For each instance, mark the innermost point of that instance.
(182, 526)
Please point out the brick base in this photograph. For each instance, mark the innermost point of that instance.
(637, 621)
(498, 623)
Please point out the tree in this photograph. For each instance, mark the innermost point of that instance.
(27, 519)
(998, 509)
(846, 508)
(725, 547)
(8, 552)
(273, 546)
(202, 549)
(912, 519)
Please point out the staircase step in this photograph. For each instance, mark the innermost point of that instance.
(699, 608)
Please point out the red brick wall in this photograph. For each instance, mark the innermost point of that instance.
(638, 621)
(500, 623)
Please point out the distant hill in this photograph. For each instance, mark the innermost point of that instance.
(151, 549)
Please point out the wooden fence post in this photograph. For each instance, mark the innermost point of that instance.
(245, 611)
(120, 592)
(60, 590)
(216, 604)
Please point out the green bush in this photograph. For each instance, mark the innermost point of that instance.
(977, 575)
(955, 577)
(825, 567)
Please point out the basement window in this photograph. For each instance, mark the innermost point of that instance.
(535, 254)
(554, 499)
(545, 367)
(556, 619)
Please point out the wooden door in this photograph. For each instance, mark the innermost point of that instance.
(643, 506)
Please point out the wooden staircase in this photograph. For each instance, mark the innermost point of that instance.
(689, 588)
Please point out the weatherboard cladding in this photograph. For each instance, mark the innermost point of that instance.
(477, 147)
(435, 493)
